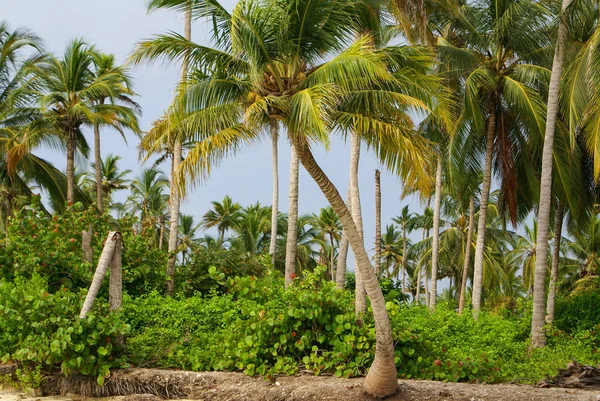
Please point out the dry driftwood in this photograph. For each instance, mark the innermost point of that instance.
(575, 375)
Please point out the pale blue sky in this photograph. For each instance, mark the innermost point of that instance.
(114, 26)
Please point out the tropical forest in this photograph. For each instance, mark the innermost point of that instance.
(454, 253)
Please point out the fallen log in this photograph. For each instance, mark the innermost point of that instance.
(575, 375)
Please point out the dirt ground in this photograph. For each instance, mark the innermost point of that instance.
(153, 384)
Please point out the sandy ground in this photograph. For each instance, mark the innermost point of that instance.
(238, 387)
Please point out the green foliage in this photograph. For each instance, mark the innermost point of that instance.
(51, 247)
(578, 312)
(194, 277)
(38, 328)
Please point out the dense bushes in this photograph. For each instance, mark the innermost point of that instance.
(51, 247)
(40, 328)
(578, 312)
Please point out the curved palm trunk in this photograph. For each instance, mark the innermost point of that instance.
(538, 336)
(275, 201)
(174, 201)
(555, 260)
(291, 246)
(378, 224)
(463, 284)
(98, 168)
(340, 272)
(485, 195)
(382, 379)
(360, 304)
(70, 168)
(435, 248)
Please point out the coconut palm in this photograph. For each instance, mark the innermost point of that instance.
(148, 198)
(104, 66)
(501, 104)
(252, 226)
(112, 178)
(223, 215)
(404, 220)
(69, 90)
(392, 248)
(187, 235)
(329, 225)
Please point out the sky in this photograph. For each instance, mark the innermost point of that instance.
(114, 26)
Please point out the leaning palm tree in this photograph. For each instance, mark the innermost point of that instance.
(69, 91)
(280, 73)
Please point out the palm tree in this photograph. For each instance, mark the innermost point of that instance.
(112, 179)
(104, 66)
(149, 198)
(252, 226)
(187, 235)
(176, 142)
(500, 98)
(223, 215)
(69, 93)
(281, 74)
(404, 220)
(21, 133)
(392, 248)
(328, 223)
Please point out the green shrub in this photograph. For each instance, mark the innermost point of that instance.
(38, 328)
(578, 312)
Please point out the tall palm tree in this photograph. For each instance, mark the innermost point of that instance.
(104, 66)
(223, 215)
(69, 93)
(501, 101)
(280, 72)
(176, 141)
(392, 247)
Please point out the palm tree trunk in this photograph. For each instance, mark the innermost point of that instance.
(98, 168)
(161, 236)
(404, 259)
(115, 283)
(70, 168)
(340, 271)
(360, 304)
(86, 245)
(538, 336)
(103, 263)
(332, 256)
(378, 223)
(382, 378)
(483, 204)
(275, 202)
(291, 245)
(426, 284)
(555, 260)
(174, 201)
(435, 248)
(420, 268)
(463, 284)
